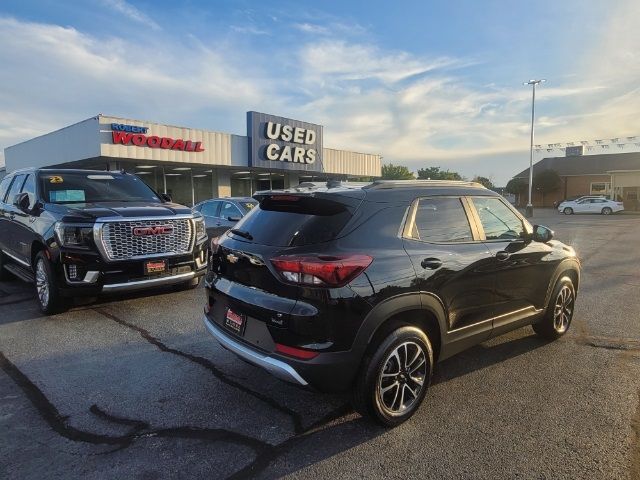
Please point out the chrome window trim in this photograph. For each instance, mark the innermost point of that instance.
(26, 264)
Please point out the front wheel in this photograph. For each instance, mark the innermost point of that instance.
(567, 210)
(49, 299)
(557, 318)
(607, 211)
(395, 377)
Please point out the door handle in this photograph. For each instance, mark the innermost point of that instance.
(502, 255)
(431, 263)
(12, 216)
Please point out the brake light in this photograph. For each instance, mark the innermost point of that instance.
(321, 270)
(295, 352)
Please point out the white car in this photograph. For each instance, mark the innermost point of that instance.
(591, 205)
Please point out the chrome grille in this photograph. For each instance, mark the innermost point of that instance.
(120, 243)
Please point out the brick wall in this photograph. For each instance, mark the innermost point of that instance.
(571, 186)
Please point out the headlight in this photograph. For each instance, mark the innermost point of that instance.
(201, 231)
(74, 235)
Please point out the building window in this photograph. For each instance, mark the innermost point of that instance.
(600, 188)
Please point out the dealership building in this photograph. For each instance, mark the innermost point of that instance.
(193, 165)
(616, 176)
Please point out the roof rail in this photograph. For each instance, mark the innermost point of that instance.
(379, 184)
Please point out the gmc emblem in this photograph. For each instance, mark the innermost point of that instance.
(158, 230)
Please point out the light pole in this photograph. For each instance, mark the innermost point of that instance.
(533, 83)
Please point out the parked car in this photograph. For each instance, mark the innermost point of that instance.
(220, 214)
(575, 198)
(591, 205)
(82, 233)
(366, 288)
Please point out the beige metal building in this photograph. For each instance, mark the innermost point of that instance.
(193, 164)
(616, 175)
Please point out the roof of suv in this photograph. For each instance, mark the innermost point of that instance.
(386, 190)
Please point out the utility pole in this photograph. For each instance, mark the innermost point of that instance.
(533, 83)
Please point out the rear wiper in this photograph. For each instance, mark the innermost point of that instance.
(242, 233)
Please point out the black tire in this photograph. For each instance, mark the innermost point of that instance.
(607, 211)
(367, 397)
(550, 326)
(568, 211)
(4, 274)
(48, 295)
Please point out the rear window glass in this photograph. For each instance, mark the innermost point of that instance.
(294, 221)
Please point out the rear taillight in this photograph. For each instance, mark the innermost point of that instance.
(321, 270)
(295, 352)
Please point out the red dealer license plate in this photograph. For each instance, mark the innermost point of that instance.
(155, 266)
(234, 321)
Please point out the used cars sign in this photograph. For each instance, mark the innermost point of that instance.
(283, 143)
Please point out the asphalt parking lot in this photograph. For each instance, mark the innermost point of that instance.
(134, 387)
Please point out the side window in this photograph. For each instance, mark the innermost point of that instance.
(498, 221)
(30, 188)
(4, 186)
(15, 188)
(210, 209)
(229, 210)
(441, 220)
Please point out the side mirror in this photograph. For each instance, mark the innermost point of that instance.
(166, 197)
(22, 201)
(234, 218)
(542, 233)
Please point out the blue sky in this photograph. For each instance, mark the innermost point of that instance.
(425, 83)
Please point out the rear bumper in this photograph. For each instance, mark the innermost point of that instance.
(328, 372)
(276, 367)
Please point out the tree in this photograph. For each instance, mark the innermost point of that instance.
(434, 173)
(518, 187)
(484, 181)
(546, 181)
(396, 172)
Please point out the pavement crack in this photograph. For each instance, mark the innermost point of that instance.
(50, 413)
(296, 418)
(139, 429)
(608, 343)
(264, 460)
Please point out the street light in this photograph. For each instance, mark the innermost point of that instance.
(533, 83)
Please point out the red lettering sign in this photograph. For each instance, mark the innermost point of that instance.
(153, 141)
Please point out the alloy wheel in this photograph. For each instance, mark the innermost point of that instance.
(563, 309)
(42, 283)
(402, 378)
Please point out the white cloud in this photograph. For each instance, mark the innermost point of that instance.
(131, 12)
(311, 28)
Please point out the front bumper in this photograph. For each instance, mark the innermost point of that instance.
(93, 276)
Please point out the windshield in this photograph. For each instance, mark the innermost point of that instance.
(81, 187)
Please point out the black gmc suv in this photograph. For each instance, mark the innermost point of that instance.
(83, 233)
(367, 287)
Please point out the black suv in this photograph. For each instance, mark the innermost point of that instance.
(367, 287)
(82, 233)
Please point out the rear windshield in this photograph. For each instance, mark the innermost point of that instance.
(289, 221)
(75, 187)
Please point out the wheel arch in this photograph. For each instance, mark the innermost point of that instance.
(567, 268)
(421, 310)
(37, 246)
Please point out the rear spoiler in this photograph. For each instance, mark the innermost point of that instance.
(350, 198)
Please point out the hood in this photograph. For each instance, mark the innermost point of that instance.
(93, 211)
